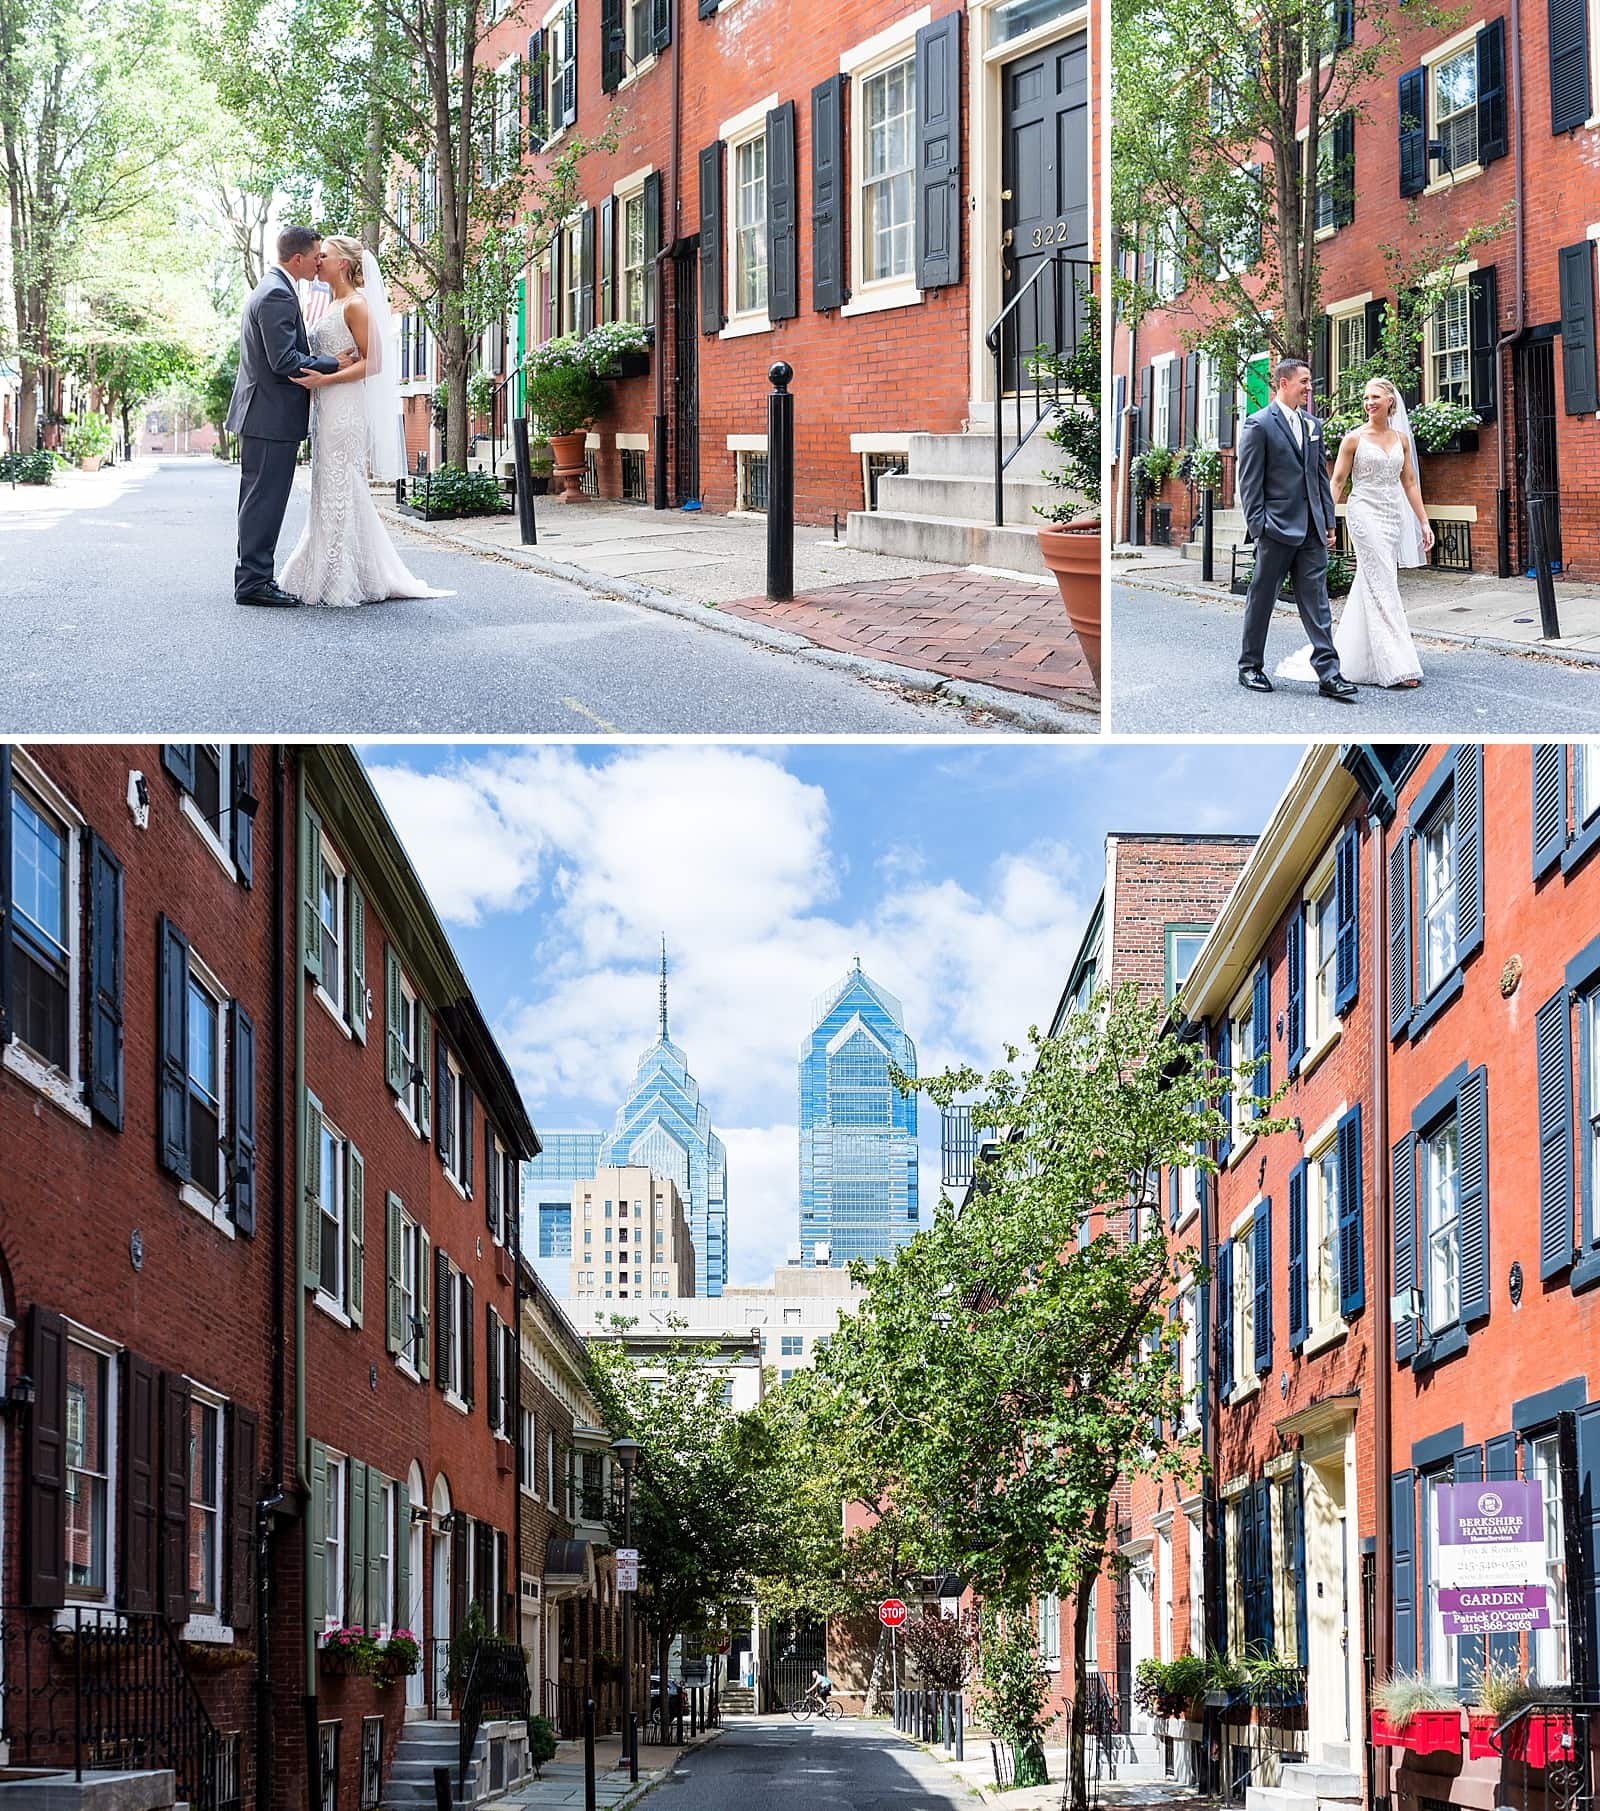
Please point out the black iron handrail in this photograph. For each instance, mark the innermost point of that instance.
(499, 426)
(1068, 280)
(496, 1686)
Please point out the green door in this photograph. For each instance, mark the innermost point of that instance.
(519, 388)
(1257, 385)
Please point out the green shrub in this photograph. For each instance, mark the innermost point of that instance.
(454, 492)
(89, 438)
(541, 1744)
(28, 468)
(564, 396)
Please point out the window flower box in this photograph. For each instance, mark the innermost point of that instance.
(1540, 1741)
(1434, 1732)
(1385, 1735)
(1481, 1743)
(629, 364)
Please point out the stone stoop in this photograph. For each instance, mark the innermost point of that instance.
(1227, 532)
(408, 1785)
(1307, 1786)
(942, 506)
(737, 1701)
(1141, 1756)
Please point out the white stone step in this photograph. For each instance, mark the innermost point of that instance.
(972, 456)
(1277, 1798)
(949, 540)
(1322, 1781)
(946, 494)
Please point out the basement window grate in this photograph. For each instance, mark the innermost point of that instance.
(634, 477)
(880, 465)
(753, 481)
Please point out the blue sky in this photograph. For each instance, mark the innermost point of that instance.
(962, 876)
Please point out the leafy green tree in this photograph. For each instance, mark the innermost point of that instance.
(217, 392)
(1013, 1690)
(130, 367)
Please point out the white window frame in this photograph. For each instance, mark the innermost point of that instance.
(460, 1333)
(1439, 892)
(1457, 49)
(211, 1625)
(212, 1207)
(332, 996)
(1188, 1352)
(1246, 1381)
(1441, 1222)
(408, 1099)
(528, 1464)
(334, 1304)
(748, 227)
(411, 1254)
(391, 1495)
(1049, 1624)
(1160, 399)
(1550, 1651)
(1444, 1651)
(1436, 351)
(1585, 781)
(218, 836)
(1164, 1591)
(1323, 1281)
(335, 1501)
(861, 63)
(1342, 314)
(1195, 1518)
(1241, 1051)
(630, 195)
(455, 1166)
(63, 1088)
(1322, 1026)
(735, 133)
(556, 33)
(110, 1351)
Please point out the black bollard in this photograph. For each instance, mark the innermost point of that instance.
(588, 1754)
(1208, 538)
(961, 1745)
(658, 499)
(633, 1748)
(441, 1789)
(780, 485)
(524, 469)
(1549, 622)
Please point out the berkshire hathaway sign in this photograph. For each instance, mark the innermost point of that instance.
(1491, 1558)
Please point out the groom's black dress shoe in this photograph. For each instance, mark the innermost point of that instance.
(274, 597)
(1338, 688)
(1254, 680)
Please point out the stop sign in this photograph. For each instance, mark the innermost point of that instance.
(891, 1612)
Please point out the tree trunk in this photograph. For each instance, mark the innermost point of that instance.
(373, 170)
(875, 1682)
(1075, 1797)
(28, 405)
(455, 376)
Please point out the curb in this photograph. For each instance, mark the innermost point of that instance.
(982, 1794)
(1443, 638)
(1035, 714)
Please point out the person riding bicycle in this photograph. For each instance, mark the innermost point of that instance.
(821, 1684)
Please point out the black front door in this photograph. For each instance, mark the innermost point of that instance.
(1536, 444)
(686, 372)
(1045, 190)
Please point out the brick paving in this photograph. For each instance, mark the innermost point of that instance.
(962, 624)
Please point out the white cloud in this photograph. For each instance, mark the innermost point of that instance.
(763, 1216)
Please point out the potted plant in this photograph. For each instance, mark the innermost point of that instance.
(540, 466)
(1225, 1682)
(566, 399)
(480, 395)
(607, 1667)
(1277, 1690)
(1205, 468)
(398, 1657)
(215, 1656)
(88, 441)
(1412, 1712)
(350, 1651)
(1070, 543)
(617, 349)
(1445, 427)
(541, 1744)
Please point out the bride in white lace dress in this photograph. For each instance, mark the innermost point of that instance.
(1388, 528)
(344, 555)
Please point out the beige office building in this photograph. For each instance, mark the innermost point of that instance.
(630, 1239)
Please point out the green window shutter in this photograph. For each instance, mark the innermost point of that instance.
(311, 1172)
(402, 1559)
(393, 1011)
(424, 1097)
(424, 1302)
(393, 1331)
(316, 1531)
(355, 1546)
(377, 1610)
(310, 915)
(355, 1220)
(355, 1003)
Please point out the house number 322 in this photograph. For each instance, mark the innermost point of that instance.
(1050, 235)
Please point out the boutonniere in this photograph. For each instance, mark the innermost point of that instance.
(1311, 430)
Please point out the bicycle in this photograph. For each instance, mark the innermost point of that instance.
(811, 1703)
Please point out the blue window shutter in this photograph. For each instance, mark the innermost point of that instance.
(1347, 919)
(1500, 1466)
(1403, 1206)
(1225, 1104)
(1588, 1420)
(1173, 1187)
(1400, 933)
(1297, 1257)
(1261, 1032)
(1352, 1235)
(1225, 1319)
(1296, 963)
(1549, 805)
(1472, 1104)
(1302, 1646)
(1264, 1557)
(1403, 1569)
(1552, 1042)
(1261, 1234)
(1469, 849)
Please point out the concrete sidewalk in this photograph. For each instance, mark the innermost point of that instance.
(1471, 609)
(1000, 641)
(977, 1772)
(563, 1781)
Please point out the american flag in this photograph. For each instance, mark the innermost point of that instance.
(314, 299)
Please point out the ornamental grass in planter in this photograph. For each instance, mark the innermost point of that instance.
(1501, 1693)
(1416, 1713)
(1070, 545)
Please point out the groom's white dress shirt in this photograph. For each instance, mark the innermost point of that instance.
(1297, 427)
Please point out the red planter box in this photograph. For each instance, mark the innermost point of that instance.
(1481, 1745)
(1434, 1732)
(1385, 1735)
(1540, 1741)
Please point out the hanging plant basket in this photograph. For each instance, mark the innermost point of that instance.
(1540, 1741)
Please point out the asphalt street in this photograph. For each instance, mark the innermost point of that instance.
(1174, 664)
(844, 1766)
(116, 597)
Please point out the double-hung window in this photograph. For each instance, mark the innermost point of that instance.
(333, 1542)
(1436, 900)
(636, 273)
(1050, 1632)
(1435, 891)
(42, 931)
(1450, 345)
(1160, 409)
(1586, 782)
(1549, 1654)
(888, 186)
(207, 1125)
(641, 42)
(459, 1162)
(1439, 1188)
(1242, 1045)
(750, 225)
(413, 1270)
(1322, 950)
(413, 1059)
(205, 1507)
(529, 1457)
(1244, 1308)
(331, 919)
(572, 277)
(1442, 1651)
(88, 1471)
(1322, 1211)
(1183, 943)
(561, 66)
(1455, 108)
(331, 1206)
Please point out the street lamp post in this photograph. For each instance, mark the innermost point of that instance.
(627, 1451)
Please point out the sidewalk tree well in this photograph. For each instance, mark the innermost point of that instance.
(1013, 1689)
(388, 126)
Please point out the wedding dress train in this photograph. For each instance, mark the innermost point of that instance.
(1373, 641)
(344, 555)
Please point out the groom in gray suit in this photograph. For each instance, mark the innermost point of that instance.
(1288, 508)
(271, 414)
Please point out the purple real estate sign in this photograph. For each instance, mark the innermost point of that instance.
(1491, 1559)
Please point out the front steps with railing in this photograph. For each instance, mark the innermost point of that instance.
(737, 1701)
(425, 1745)
(1307, 1786)
(942, 506)
(1227, 532)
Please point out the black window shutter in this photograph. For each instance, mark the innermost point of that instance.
(1492, 91)
(586, 272)
(443, 1314)
(712, 319)
(242, 1118)
(608, 259)
(1400, 933)
(242, 826)
(783, 270)
(1147, 406)
(140, 1455)
(178, 759)
(1191, 398)
(491, 1180)
(1347, 920)
(1225, 1319)
(707, 7)
(652, 242)
(1500, 1467)
(1483, 311)
(491, 1355)
(1469, 848)
(442, 1130)
(1298, 1306)
(613, 45)
(173, 1596)
(1579, 389)
(1344, 168)
(828, 286)
(44, 1500)
(1552, 1043)
(1569, 64)
(1403, 1569)
(1403, 1205)
(1225, 408)
(1549, 805)
(537, 127)
(1174, 405)
(1413, 132)
(1261, 1032)
(1321, 341)
(1472, 1114)
(569, 75)
(1373, 335)
(465, 1386)
(1588, 1507)
(1295, 966)
(172, 1047)
(105, 981)
(240, 1583)
(660, 24)
(1352, 1235)
(466, 1136)
(938, 78)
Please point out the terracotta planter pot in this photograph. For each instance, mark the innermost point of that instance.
(1481, 1745)
(91, 463)
(567, 451)
(1540, 1741)
(1072, 553)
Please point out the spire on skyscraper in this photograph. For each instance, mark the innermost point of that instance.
(663, 990)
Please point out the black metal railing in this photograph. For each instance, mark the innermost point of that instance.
(1048, 314)
(1548, 1747)
(496, 1685)
(95, 1691)
(499, 418)
(436, 1658)
(1102, 1724)
(563, 1705)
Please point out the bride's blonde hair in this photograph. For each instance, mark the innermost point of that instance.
(350, 250)
(1383, 383)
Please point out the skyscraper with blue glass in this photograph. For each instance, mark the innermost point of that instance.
(858, 1134)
